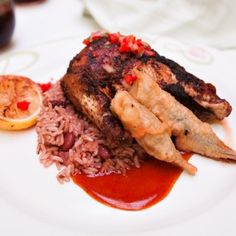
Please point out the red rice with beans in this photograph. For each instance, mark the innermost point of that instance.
(67, 139)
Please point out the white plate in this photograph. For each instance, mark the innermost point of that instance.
(32, 202)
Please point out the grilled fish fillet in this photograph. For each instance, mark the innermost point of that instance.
(95, 105)
(97, 72)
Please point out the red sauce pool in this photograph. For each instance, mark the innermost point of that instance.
(140, 188)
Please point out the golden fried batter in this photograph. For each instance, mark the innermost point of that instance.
(191, 133)
(148, 130)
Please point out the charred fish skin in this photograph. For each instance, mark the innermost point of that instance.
(202, 93)
(95, 105)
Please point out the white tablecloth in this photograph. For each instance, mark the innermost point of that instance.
(49, 20)
(208, 22)
(55, 19)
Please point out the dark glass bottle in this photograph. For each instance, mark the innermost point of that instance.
(7, 21)
(28, 1)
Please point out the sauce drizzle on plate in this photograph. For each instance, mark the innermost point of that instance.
(140, 188)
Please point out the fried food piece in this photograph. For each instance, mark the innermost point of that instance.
(191, 133)
(149, 132)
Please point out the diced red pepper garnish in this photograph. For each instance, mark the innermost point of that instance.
(134, 47)
(86, 42)
(130, 39)
(121, 38)
(97, 35)
(124, 47)
(94, 36)
(139, 42)
(95, 53)
(149, 53)
(23, 105)
(114, 38)
(126, 44)
(45, 87)
(130, 79)
(141, 50)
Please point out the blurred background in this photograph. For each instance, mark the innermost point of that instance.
(207, 22)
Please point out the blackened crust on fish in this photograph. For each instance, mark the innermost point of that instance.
(202, 93)
(95, 105)
(95, 74)
(113, 126)
(178, 92)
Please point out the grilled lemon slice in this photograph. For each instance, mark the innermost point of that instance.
(20, 102)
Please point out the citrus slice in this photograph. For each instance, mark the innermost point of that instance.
(20, 102)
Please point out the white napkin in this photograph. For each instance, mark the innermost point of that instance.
(203, 21)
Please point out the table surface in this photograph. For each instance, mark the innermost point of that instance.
(49, 20)
(52, 20)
